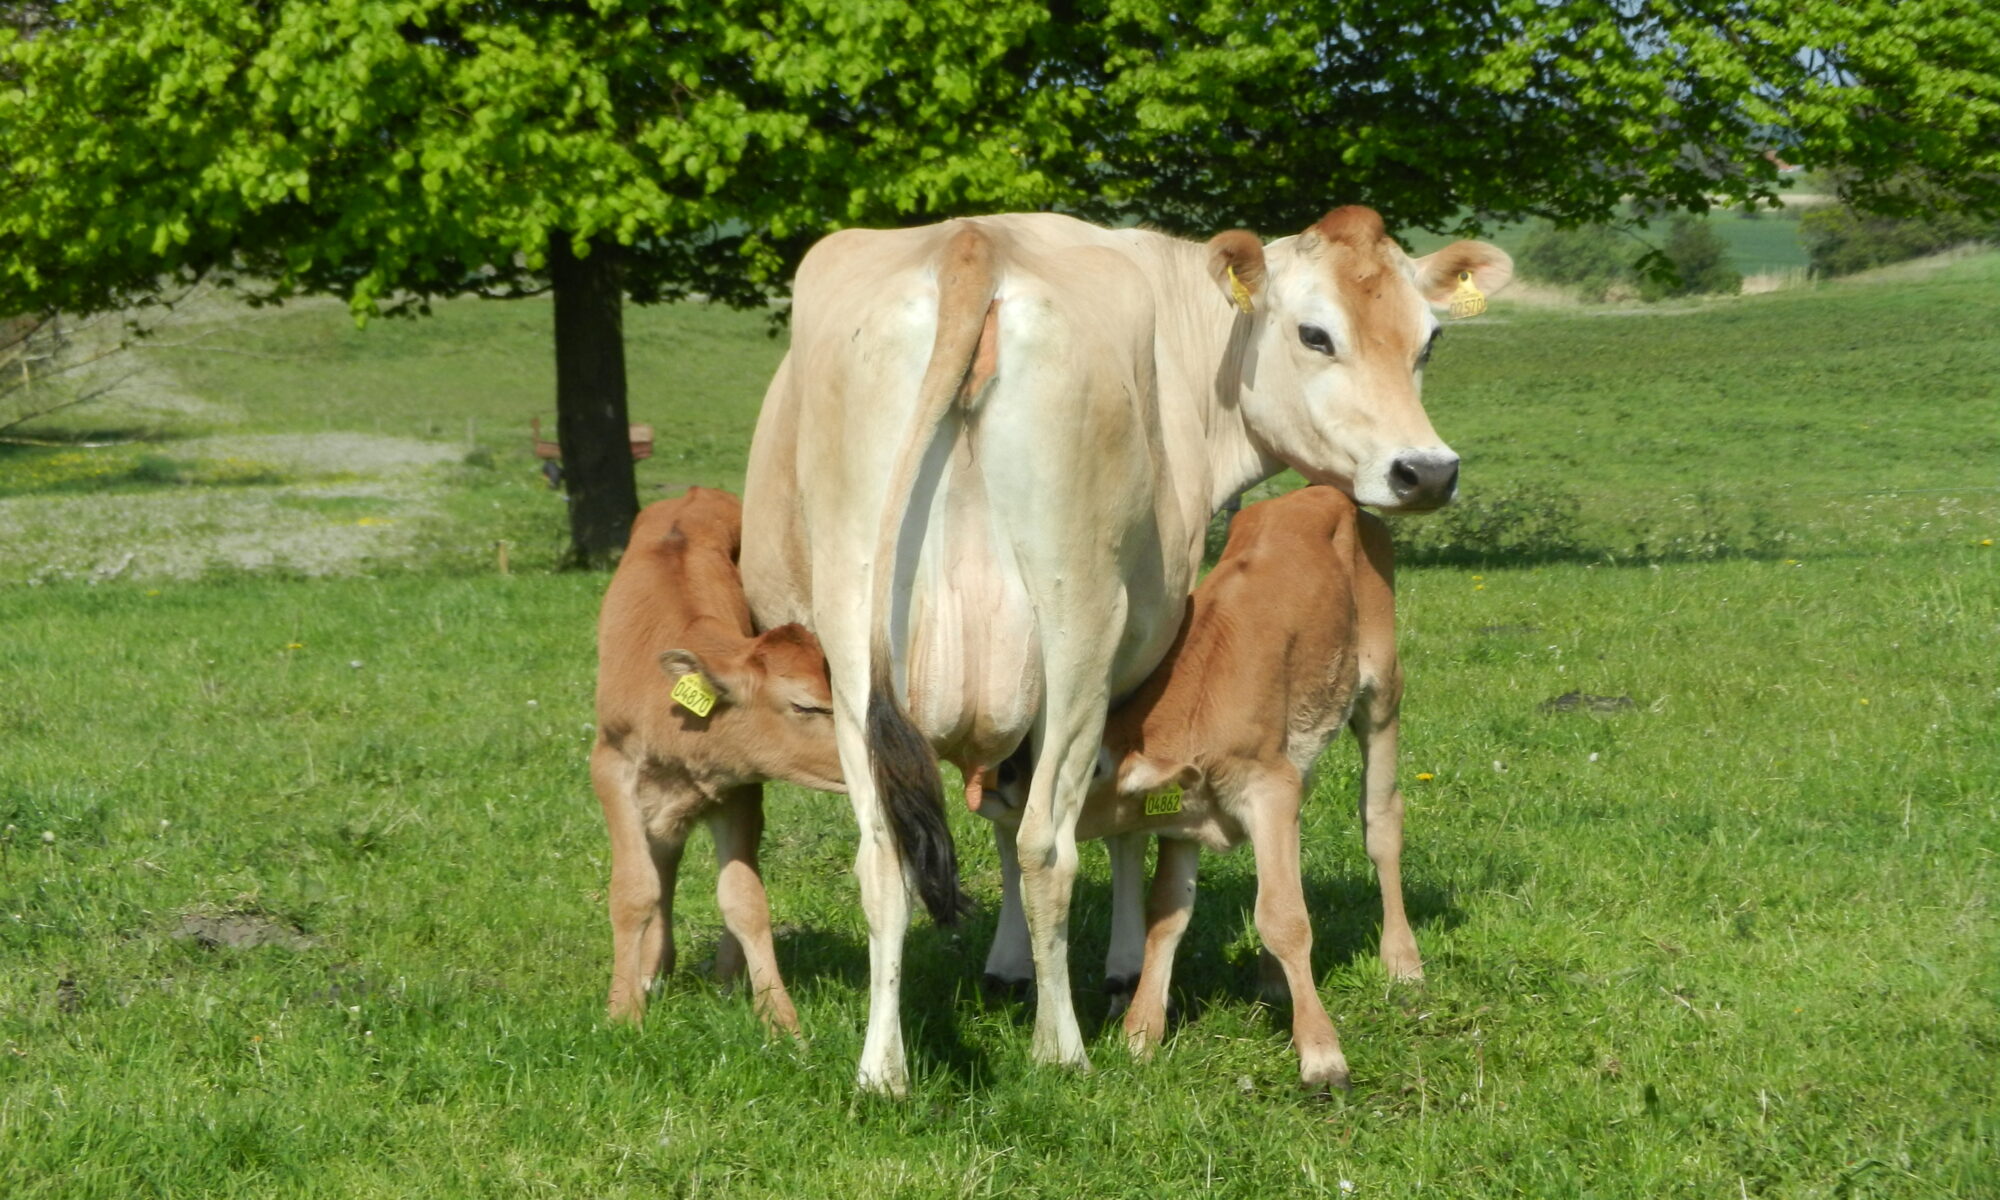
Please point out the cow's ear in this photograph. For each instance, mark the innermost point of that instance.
(1236, 261)
(721, 677)
(1487, 265)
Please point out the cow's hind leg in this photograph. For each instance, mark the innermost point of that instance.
(1168, 906)
(1126, 954)
(643, 866)
(738, 825)
(1283, 924)
(1047, 847)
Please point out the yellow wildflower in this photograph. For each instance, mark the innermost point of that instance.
(1425, 777)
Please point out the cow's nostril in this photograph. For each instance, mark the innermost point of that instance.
(1403, 477)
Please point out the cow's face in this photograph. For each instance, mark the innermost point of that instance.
(1343, 326)
(773, 705)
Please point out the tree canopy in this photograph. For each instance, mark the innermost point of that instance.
(389, 151)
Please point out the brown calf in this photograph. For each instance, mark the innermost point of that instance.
(1290, 637)
(675, 608)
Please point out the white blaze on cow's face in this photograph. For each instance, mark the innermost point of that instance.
(1333, 381)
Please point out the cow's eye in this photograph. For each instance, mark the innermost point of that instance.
(1429, 346)
(810, 708)
(1313, 338)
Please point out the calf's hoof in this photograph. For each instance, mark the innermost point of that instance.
(1324, 1072)
(1400, 959)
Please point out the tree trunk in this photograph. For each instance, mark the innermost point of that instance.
(592, 426)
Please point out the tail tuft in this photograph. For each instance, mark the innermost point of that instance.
(912, 797)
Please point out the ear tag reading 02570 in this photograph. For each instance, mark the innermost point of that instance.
(693, 693)
(1468, 300)
(1164, 802)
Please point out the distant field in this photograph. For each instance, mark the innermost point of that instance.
(1767, 243)
(301, 883)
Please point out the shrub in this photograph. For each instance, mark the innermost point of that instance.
(1593, 259)
(1525, 524)
(1841, 241)
(1697, 263)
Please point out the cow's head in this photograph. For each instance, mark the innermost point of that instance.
(1332, 381)
(772, 703)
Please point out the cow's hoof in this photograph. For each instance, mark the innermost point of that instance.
(1020, 991)
(889, 1084)
(1118, 990)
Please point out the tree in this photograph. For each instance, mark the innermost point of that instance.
(392, 151)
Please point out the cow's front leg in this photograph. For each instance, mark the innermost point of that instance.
(1282, 921)
(1010, 961)
(1047, 848)
(1126, 954)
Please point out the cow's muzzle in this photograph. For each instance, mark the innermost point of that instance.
(1424, 479)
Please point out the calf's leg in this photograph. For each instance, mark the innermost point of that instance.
(737, 826)
(1168, 906)
(1273, 807)
(643, 866)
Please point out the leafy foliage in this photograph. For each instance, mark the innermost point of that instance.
(1592, 259)
(1696, 262)
(1841, 241)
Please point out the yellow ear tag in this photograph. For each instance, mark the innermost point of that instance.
(694, 693)
(1164, 802)
(1468, 300)
(1239, 293)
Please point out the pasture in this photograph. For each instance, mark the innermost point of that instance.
(301, 880)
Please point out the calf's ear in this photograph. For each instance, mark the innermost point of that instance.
(1438, 273)
(721, 678)
(1236, 261)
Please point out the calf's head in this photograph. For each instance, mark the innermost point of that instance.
(1333, 375)
(773, 710)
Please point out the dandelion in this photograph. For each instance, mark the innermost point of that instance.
(152, 591)
(1986, 541)
(1864, 700)
(368, 522)
(1478, 578)
(1425, 777)
(295, 645)
(48, 837)
(1593, 756)
(1478, 587)
(355, 663)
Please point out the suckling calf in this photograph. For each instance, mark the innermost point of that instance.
(694, 713)
(1290, 637)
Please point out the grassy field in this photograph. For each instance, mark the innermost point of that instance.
(301, 880)
(1767, 243)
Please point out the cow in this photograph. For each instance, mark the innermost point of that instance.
(982, 475)
(1291, 636)
(694, 713)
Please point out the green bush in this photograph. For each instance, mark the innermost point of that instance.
(1527, 523)
(1593, 259)
(1697, 263)
(1841, 241)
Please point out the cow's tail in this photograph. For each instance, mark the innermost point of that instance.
(905, 769)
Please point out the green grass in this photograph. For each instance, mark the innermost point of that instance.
(1765, 244)
(1737, 939)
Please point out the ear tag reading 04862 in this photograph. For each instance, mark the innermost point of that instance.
(692, 692)
(1164, 802)
(1468, 300)
(1238, 292)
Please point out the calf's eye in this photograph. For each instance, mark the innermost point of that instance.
(810, 708)
(1313, 338)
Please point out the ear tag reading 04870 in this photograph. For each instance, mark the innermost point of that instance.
(1468, 300)
(1164, 802)
(693, 693)
(1238, 292)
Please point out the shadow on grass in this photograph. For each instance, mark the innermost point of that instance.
(1216, 963)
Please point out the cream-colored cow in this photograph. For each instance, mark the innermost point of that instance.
(982, 475)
